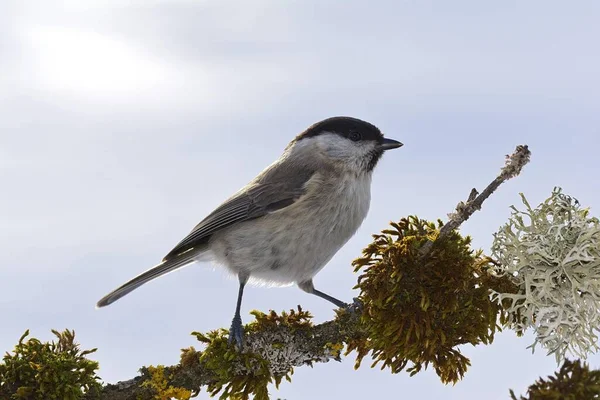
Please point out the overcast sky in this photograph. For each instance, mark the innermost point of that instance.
(123, 123)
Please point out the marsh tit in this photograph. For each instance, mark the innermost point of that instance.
(289, 221)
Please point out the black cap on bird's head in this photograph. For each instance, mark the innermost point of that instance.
(355, 130)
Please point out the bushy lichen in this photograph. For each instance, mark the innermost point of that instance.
(574, 381)
(240, 375)
(56, 370)
(159, 385)
(552, 254)
(419, 309)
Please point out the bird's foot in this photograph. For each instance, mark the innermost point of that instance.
(356, 306)
(236, 332)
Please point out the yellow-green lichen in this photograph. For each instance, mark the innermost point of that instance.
(419, 309)
(159, 385)
(335, 349)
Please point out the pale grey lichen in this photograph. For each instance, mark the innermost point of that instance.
(553, 254)
(285, 349)
(515, 162)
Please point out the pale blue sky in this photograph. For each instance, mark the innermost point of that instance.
(123, 123)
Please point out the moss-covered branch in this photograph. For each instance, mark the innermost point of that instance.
(274, 345)
(60, 370)
(423, 293)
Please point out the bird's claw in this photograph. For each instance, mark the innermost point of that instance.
(236, 332)
(355, 306)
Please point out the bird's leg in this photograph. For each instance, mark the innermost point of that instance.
(236, 332)
(308, 287)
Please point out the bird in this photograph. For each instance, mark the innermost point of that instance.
(288, 222)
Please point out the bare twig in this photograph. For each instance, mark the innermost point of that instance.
(514, 163)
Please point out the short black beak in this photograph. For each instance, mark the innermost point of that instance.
(389, 144)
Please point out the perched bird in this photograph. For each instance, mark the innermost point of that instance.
(289, 221)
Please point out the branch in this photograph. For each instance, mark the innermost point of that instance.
(295, 346)
(513, 166)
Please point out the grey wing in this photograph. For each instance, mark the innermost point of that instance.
(257, 200)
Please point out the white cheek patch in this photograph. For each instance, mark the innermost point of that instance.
(356, 154)
(336, 145)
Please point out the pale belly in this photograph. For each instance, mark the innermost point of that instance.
(292, 245)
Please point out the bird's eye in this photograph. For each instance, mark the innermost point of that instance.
(354, 136)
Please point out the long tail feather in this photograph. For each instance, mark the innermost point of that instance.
(161, 269)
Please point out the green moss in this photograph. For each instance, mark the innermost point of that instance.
(574, 381)
(294, 320)
(189, 357)
(48, 370)
(418, 310)
(221, 359)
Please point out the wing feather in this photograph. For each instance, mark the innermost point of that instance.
(261, 197)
